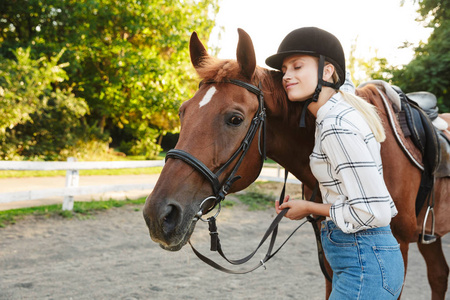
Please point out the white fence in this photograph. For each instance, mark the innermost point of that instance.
(72, 187)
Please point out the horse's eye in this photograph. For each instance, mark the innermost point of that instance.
(235, 120)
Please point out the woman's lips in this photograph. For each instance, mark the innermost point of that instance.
(289, 85)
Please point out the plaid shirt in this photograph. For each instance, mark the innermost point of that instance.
(347, 163)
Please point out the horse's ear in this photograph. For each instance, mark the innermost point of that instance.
(245, 54)
(197, 50)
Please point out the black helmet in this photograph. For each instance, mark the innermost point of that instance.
(316, 42)
(311, 41)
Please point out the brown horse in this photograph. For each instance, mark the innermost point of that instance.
(215, 121)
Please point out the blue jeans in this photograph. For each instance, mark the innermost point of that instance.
(366, 264)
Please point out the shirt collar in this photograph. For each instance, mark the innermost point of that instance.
(324, 109)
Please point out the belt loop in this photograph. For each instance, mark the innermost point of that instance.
(324, 225)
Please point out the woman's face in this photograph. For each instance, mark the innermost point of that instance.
(300, 76)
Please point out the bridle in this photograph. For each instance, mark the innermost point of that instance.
(220, 189)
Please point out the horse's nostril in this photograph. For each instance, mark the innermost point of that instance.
(170, 218)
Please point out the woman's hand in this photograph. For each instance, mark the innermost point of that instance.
(298, 209)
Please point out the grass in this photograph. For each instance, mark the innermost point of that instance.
(80, 210)
(256, 198)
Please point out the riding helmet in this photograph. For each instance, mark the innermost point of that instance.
(311, 41)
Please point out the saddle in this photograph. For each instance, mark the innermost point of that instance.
(428, 102)
(420, 127)
(425, 137)
(417, 129)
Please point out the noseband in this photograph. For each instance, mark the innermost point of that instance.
(220, 189)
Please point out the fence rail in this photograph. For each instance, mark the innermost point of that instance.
(72, 188)
(77, 165)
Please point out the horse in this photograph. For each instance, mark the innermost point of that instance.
(216, 121)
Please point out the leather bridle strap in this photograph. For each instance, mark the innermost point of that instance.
(272, 230)
(258, 123)
(197, 165)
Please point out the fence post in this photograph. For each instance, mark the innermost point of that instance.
(72, 180)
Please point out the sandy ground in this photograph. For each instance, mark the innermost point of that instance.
(110, 256)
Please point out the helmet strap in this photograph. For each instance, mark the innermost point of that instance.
(315, 96)
(320, 81)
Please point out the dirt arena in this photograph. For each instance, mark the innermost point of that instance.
(111, 256)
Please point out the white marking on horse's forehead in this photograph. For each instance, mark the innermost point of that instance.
(208, 96)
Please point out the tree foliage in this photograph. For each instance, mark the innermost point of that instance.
(24, 86)
(38, 117)
(430, 68)
(128, 59)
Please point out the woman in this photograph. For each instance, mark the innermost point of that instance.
(356, 236)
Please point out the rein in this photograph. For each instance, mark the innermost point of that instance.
(271, 231)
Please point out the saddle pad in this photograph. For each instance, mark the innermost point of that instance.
(392, 95)
(392, 105)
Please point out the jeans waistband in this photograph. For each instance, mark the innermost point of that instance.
(330, 225)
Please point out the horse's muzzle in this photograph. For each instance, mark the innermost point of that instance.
(169, 225)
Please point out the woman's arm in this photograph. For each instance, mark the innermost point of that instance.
(298, 209)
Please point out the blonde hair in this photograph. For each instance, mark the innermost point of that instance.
(367, 110)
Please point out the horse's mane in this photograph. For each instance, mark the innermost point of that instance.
(218, 70)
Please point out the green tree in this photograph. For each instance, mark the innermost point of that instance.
(23, 83)
(430, 68)
(38, 117)
(129, 59)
